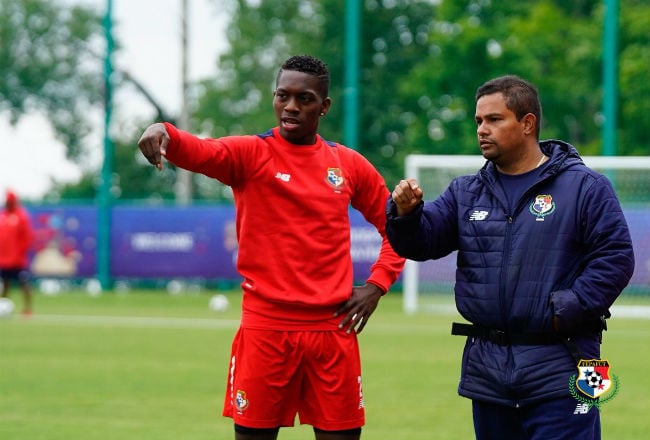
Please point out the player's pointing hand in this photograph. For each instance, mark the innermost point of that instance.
(153, 144)
(407, 195)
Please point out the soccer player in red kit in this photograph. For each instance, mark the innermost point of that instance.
(296, 351)
(15, 243)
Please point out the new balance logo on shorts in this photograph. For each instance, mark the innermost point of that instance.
(582, 408)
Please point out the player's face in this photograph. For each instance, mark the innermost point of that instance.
(298, 106)
(501, 137)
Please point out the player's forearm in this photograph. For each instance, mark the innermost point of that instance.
(194, 154)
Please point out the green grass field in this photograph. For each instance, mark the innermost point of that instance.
(149, 365)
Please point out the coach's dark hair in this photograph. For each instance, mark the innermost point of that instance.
(310, 65)
(521, 96)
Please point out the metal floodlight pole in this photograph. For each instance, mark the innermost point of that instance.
(104, 193)
(610, 77)
(183, 188)
(351, 73)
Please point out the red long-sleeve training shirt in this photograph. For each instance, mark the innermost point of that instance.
(292, 221)
(15, 238)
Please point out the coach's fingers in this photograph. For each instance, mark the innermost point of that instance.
(406, 195)
(415, 187)
(412, 188)
(404, 191)
(399, 194)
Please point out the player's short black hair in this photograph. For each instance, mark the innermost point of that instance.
(521, 96)
(309, 65)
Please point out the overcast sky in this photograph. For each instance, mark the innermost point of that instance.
(150, 33)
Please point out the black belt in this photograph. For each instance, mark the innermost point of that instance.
(502, 338)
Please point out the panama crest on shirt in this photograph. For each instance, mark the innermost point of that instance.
(334, 178)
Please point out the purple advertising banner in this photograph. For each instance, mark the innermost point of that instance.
(638, 220)
(159, 242)
(170, 242)
(199, 242)
(65, 241)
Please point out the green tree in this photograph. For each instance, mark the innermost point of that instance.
(133, 178)
(421, 62)
(48, 65)
(51, 61)
(264, 33)
(634, 75)
(529, 40)
(555, 44)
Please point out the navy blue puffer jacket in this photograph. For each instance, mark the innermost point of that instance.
(564, 251)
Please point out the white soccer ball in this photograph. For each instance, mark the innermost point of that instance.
(218, 303)
(6, 307)
(594, 379)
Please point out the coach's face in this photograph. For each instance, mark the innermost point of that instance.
(501, 137)
(298, 106)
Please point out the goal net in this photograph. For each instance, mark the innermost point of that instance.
(428, 284)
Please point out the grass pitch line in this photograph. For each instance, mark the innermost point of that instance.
(638, 312)
(136, 321)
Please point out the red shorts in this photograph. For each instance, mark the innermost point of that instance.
(275, 375)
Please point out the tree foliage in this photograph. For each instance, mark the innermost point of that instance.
(132, 177)
(421, 62)
(634, 75)
(48, 65)
(52, 62)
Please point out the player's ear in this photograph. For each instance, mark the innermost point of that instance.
(325, 106)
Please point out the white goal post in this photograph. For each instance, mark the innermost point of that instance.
(435, 172)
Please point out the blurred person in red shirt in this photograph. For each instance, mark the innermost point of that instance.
(15, 242)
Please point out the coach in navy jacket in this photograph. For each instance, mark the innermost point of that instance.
(543, 252)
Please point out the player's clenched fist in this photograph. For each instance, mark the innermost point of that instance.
(407, 195)
(153, 144)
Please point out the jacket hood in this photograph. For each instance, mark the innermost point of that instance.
(561, 154)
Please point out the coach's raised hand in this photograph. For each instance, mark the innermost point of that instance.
(153, 144)
(407, 195)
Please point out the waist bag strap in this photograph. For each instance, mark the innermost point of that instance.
(502, 338)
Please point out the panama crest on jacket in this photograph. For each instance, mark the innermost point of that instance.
(542, 206)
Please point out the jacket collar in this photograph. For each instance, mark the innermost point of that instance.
(561, 155)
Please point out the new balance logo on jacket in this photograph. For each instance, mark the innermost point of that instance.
(478, 215)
